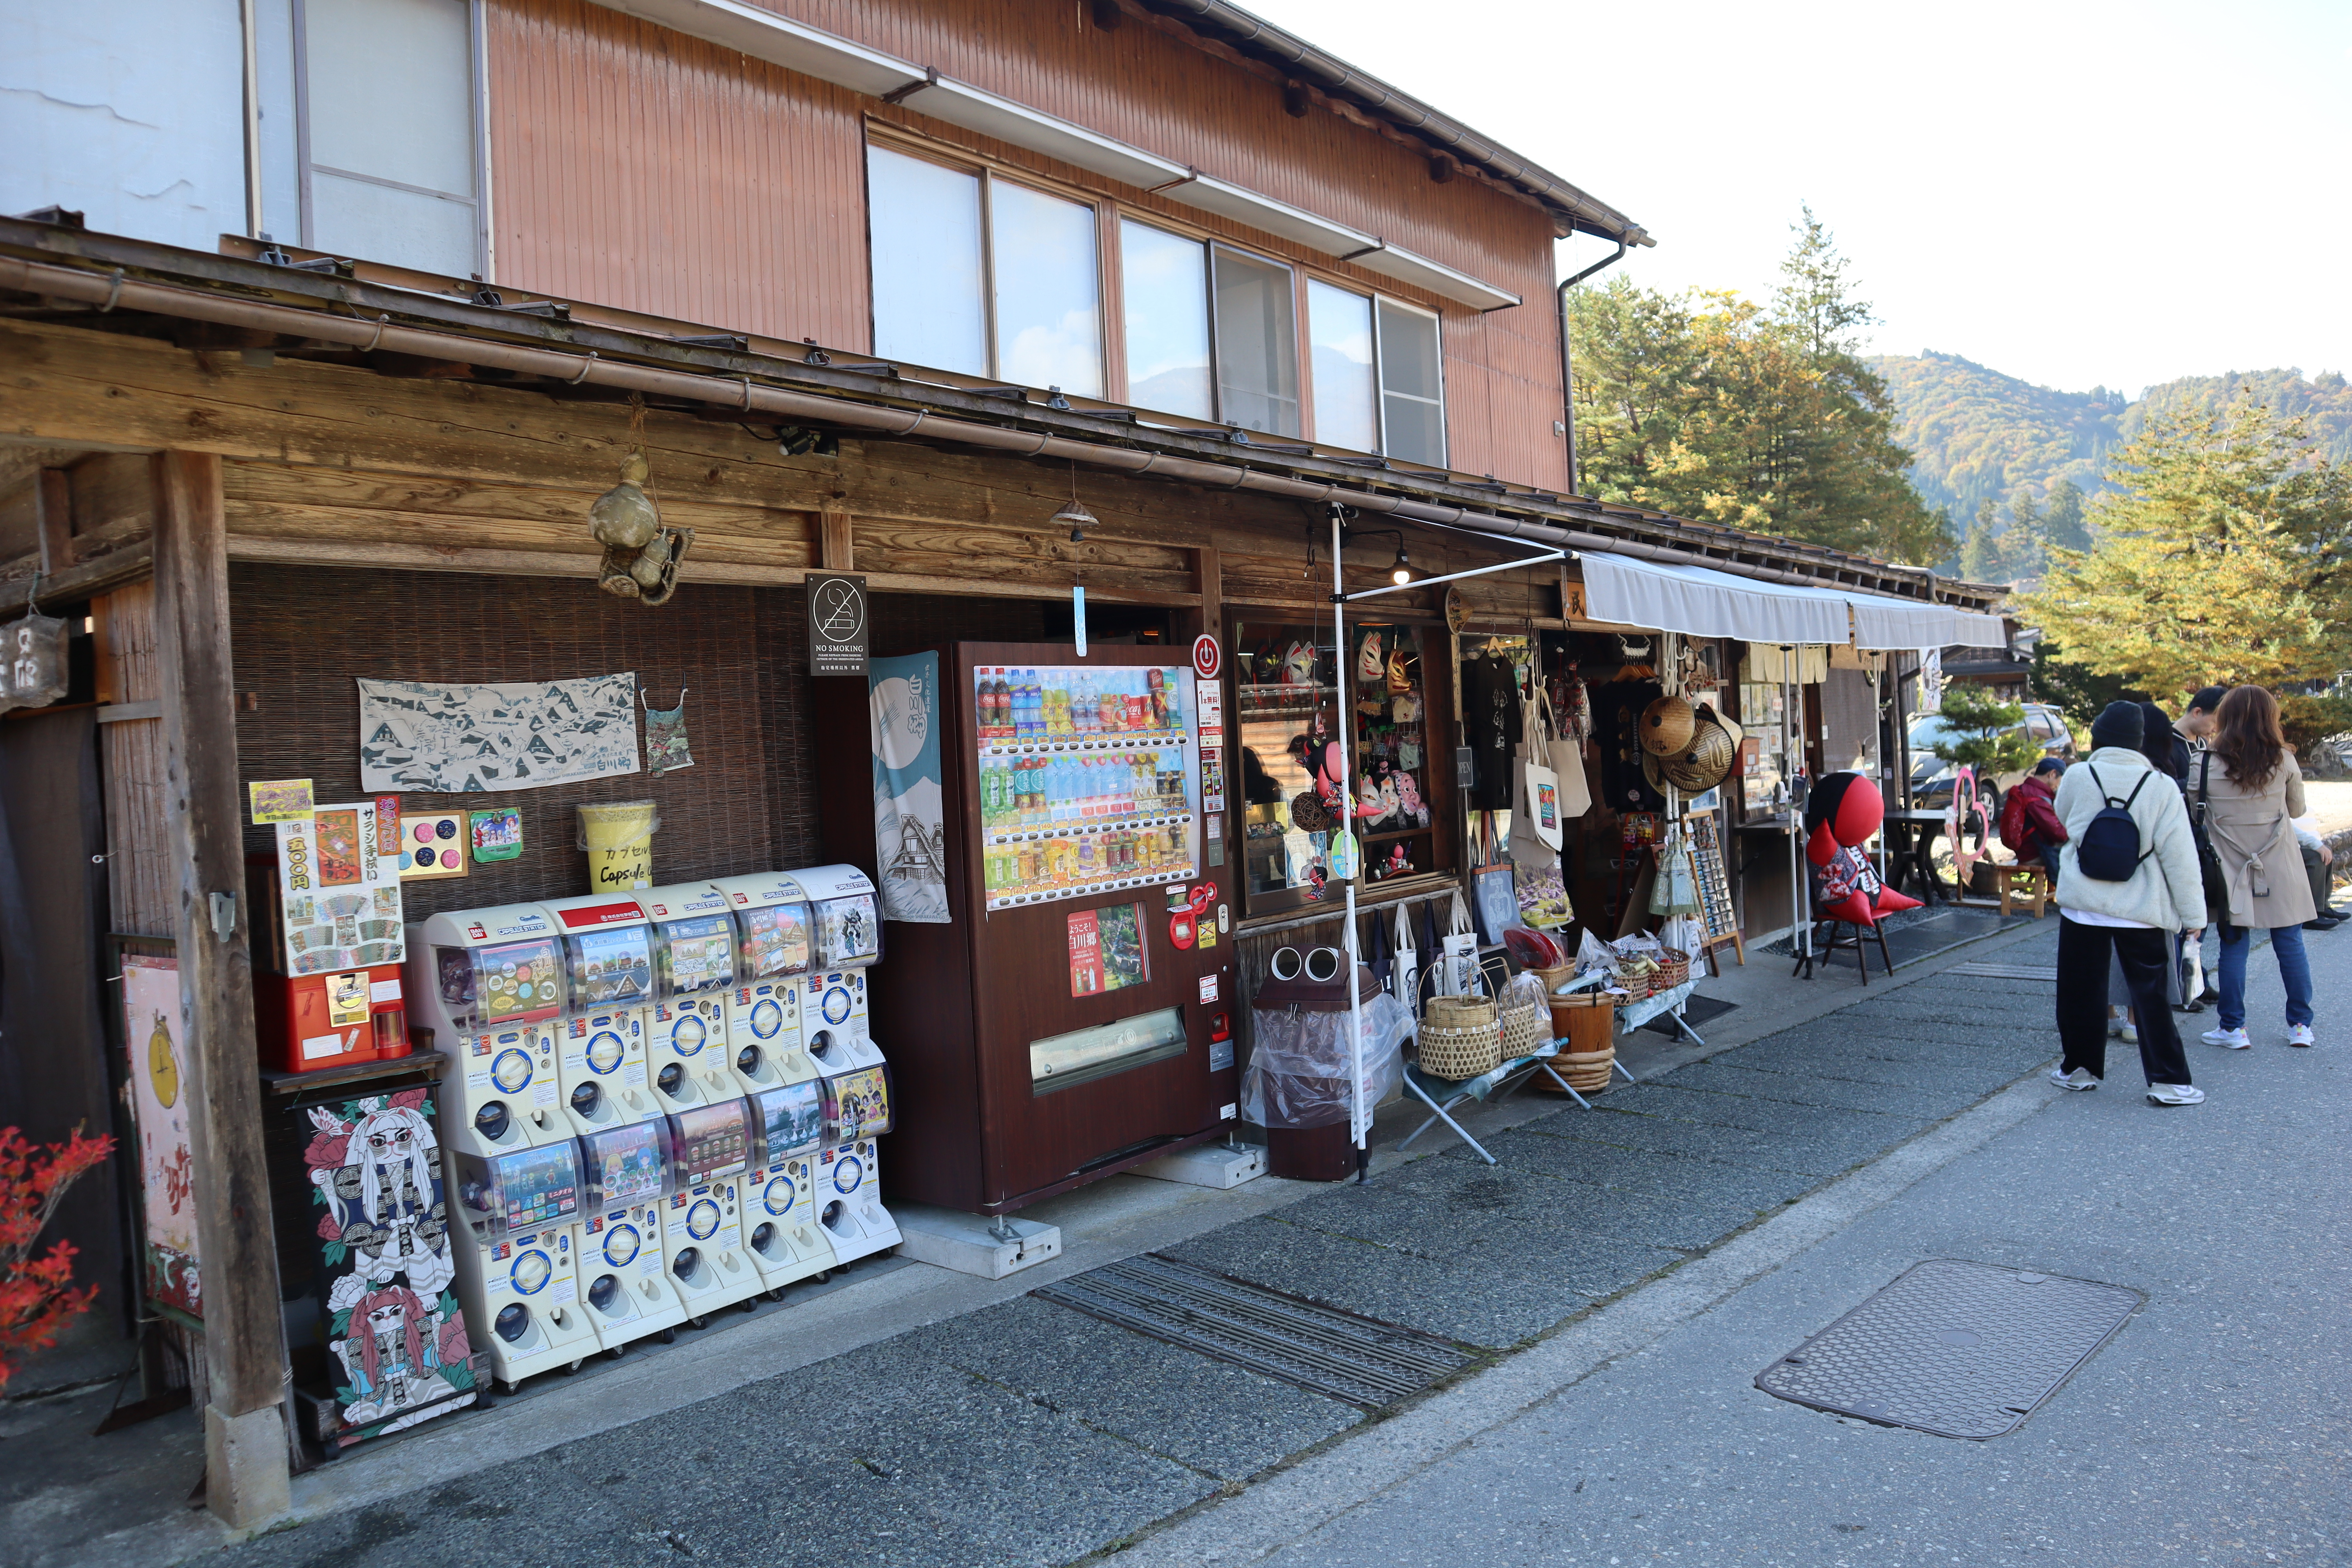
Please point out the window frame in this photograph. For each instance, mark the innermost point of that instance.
(1111, 313)
(477, 139)
(1380, 378)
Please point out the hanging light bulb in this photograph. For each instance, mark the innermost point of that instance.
(1402, 571)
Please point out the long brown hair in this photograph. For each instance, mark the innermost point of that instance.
(2247, 736)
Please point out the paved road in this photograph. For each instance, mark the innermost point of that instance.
(1028, 1434)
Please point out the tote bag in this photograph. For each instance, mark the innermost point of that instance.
(1405, 975)
(1568, 765)
(1458, 972)
(1536, 820)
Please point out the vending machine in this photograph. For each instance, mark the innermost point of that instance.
(517, 1275)
(608, 949)
(1071, 1018)
(836, 1016)
(786, 1240)
(702, 1224)
(849, 1173)
(774, 945)
(624, 1175)
(490, 984)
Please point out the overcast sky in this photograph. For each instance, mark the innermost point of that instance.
(2071, 192)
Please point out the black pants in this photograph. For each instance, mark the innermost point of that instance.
(2083, 954)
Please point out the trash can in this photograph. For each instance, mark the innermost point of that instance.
(1298, 1083)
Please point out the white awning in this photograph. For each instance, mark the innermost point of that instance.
(1699, 601)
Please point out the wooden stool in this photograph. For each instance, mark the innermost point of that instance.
(2027, 884)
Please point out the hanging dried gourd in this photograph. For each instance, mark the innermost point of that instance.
(641, 556)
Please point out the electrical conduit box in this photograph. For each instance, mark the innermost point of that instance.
(516, 1274)
(848, 1169)
(835, 1020)
(490, 983)
(703, 1219)
(774, 946)
(625, 1177)
(785, 1240)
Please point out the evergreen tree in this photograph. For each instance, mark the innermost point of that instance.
(1980, 552)
(2225, 555)
(1984, 732)
(2063, 527)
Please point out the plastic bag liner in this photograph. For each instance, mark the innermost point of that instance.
(1299, 1070)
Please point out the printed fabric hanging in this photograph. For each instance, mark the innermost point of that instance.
(666, 750)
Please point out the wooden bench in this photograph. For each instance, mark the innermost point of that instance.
(2027, 884)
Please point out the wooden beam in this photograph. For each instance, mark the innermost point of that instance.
(53, 505)
(837, 552)
(244, 1348)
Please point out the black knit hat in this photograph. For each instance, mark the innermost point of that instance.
(2118, 724)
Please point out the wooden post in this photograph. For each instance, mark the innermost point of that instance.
(246, 1458)
(53, 498)
(835, 552)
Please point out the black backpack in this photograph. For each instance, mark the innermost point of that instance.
(2109, 850)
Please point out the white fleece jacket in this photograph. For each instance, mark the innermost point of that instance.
(2167, 891)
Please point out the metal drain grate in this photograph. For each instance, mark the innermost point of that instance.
(1361, 1361)
(1960, 1350)
(2004, 970)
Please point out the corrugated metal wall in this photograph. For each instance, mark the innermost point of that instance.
(638, 167)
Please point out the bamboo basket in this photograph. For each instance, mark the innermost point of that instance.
(1523, 1030)
(1460, 1037)
(1589, 1073)
(1554, 977)
(1674, 969)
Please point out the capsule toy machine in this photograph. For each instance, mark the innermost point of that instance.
(603, 1056)
(786, 1241)
(1068, 1020)
(702, 1224)
(517, 1275)
(694, 963)
(625, 1174)
(849, 1173)
(775, 945)
(490, 984)
(837, 1019)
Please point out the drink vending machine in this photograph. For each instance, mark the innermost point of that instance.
(836, 1023)
(625, 1171)
(517, 1275)
(1073, 1017)
(490, 984)
(849, 1173)
(788, 1132)
(603, 1059)
(774, 947)
(702, 1229)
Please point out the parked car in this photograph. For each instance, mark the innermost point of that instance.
(1931, 776)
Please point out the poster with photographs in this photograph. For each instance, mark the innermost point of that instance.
(451, 738)
(338, 897)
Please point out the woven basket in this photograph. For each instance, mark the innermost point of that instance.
(1554, 977)
(1674, 969)
(1460, 1037)
(1523, 1030)
(1588, 1073)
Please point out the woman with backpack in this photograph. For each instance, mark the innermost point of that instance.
(2128, 880)
(2251, 791)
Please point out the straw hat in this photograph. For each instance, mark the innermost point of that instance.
(1709, 759)
(1665, 727)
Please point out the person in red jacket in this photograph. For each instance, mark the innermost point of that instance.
(2028, 822)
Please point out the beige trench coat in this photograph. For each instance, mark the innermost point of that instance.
(2251, 832)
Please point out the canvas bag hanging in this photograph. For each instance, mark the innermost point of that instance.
(1458, 976)
(1568, 762)
(1535, 790)
(1404, 977)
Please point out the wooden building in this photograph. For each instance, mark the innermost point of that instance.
(876, 287)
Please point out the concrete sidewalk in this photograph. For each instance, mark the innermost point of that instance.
(910, 1416)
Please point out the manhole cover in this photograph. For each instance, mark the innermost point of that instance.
(1960, 1350)
(1359, 1360)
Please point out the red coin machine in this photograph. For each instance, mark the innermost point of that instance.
(1069, 1017)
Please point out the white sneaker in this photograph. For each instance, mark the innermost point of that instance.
(2175, 1094)
(2298, 1034)
(2128, 1034)
(2080, 1078)
(2233, 1039)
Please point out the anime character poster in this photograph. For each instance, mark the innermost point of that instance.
(159, 1107)
(395, 1330)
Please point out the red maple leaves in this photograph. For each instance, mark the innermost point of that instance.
(36, 1294)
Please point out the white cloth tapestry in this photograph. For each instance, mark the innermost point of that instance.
(909, 827)
(455, 740)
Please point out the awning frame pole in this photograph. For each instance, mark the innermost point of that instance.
(1359, 1123)
(1340, 594)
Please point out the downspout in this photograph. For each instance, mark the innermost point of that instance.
(1568, 373)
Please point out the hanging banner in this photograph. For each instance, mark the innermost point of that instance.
(909, 827)
(450, 740)
(158, 1115)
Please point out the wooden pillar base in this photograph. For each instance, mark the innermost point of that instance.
(247, 1483)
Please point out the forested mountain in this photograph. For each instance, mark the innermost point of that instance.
(1977, 435)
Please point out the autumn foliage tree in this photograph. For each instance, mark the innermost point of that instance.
(37, 1293)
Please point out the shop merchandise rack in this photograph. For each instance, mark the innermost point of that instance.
(1716, 913)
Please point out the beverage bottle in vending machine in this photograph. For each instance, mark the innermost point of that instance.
(1000, 703)
(1083, 718)
(1155, 683)
(1139, 706)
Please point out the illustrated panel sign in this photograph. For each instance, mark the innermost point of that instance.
(458, 739)
(395, 1328)
(337, 897)
(909, 820)
(159, 1114)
